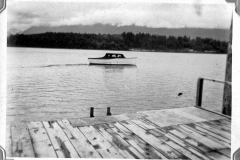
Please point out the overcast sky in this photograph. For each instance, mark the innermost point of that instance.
(23, 15)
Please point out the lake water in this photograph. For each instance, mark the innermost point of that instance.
(48, 84)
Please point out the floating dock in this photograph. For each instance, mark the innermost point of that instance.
(180, 133)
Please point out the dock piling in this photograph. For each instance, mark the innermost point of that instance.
(92, 112)
(108, 111)
(199, 92)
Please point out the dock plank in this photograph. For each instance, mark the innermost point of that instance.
(211, 135)
(142, 124)
(201, 113)
(182, 143)
(193, 143)
(214, 130)
(208, 142)
(228, 120)
(40, 140)
(99, 142)
(160, 135)
(21, 141)
(176, 116)
(178, 147)
(116, 141)
(219, 127)
(131, 149)
(224, 145)
(143, 147)
(79, 141)
(221, 122)
(152, 140)
(8, 145)
(105, 119)
(60, 142)
(96, 120)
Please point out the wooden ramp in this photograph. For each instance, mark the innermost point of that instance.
(181, 133)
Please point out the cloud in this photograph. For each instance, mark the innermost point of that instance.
(23, 15)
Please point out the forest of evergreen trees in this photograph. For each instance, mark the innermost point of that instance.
(124, 41)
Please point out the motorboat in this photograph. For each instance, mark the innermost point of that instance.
(113, 59)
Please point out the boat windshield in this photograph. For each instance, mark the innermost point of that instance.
(113, 55)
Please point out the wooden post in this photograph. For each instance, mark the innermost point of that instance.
(92, 112)
(108, 111)
(199, 92)
(227, 93)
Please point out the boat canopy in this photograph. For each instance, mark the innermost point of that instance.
(114, 55)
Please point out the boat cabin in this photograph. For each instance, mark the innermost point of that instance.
(114, 55)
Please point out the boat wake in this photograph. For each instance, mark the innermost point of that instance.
(61, 65)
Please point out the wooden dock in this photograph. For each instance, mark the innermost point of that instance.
(180, 133)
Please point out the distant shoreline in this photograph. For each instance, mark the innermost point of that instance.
(142, 50)
(126, 41)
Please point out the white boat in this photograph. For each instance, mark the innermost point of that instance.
(113, 59)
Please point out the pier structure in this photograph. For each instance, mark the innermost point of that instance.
(178, 133)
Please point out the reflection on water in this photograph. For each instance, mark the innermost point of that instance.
(119, 78)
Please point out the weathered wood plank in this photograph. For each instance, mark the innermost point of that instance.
(142, 124)
(227, 120)
(219, 127)
(105, 119)
(21, 141)
(143, 147)
(8, 141)
(132, 150)
(161, 135)
(211, 135)
(201, 148)
(167, 118)
(176, 116)
(40, 140)
(96, 120)
(100, 143)
(221, 123)
(225, 147)
(182, 143)
(226, 152)
(200, 138)
(152, 140)
(174, 145)
(79, 141)
(214, 130)
(201, 113)
(60, 142)
(116, 141)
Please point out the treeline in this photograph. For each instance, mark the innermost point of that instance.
(124, 41)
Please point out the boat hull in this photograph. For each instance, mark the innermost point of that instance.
(115, 61)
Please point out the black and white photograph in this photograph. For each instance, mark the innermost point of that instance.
(121, 79)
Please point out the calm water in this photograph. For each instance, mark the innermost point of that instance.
(45, 84)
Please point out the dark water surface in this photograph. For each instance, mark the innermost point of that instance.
(46, 84)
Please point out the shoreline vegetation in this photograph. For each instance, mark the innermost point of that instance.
(127, 41)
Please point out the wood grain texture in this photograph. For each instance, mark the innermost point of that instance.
(79, 141)
(21, 142)
(211, 135)
(160, 146)
(116, 141)
(142, 146)
(8, 146)
(105, 149)
(193, 143)
(41, 143)
(160, 135)
(60, 142)
(214, 130)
